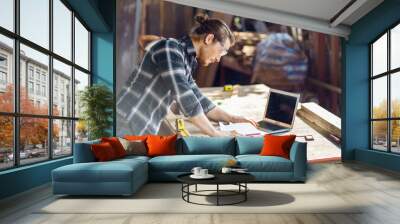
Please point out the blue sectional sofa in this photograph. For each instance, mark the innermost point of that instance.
(125, 176)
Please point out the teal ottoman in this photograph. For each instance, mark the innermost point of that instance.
(118, 177)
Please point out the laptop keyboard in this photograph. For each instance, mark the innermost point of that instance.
(269, 126)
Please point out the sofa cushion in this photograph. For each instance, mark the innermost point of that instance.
(83, 152)
(206, 145)
(249, 145)
(116, 145)
(275, 145)
(161, 145)
(185, 163)
(257, 163)
(103, 152)
(134, 147)
(111, 171)
(135, 137)
(133, 157)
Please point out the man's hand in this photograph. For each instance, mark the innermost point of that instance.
(202, 122)
(217, 114)
(241, 119)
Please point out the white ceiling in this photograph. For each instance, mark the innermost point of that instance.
(319, 9)
(315, 15)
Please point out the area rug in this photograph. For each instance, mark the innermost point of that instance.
(166, 198)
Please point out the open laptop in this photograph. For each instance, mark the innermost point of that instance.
(280, 112)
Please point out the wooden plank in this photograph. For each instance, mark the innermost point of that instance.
(321, 117)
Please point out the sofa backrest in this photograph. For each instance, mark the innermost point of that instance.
(83, 153)
(249, 145)
(206, 145)
(192, 145)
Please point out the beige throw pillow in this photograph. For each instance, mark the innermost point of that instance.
(137, 147)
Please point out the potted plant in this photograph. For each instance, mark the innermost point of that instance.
(96, 102)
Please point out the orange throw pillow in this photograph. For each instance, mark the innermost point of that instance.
(277, 145)
(103, 151)
(135, 137)
(116, 145)
(161, 145)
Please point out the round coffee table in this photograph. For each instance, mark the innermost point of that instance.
(238, 179)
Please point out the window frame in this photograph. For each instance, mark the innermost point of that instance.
(388, 74)
(16, 114)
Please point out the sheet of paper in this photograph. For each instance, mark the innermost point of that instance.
(246, 129)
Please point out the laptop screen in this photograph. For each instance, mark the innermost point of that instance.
(281, 107)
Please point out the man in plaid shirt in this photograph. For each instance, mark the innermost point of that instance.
(165, 77)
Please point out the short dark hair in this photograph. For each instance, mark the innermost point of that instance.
(217, 27)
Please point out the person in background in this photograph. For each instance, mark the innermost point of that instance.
(164, 78)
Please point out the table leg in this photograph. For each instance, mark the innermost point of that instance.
(217, 194)
(245, 193)
(188, 189)
(182, 188)
(196, 187)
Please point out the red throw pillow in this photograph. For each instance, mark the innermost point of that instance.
(116, 145)
(103, 151)
(277, 145)
(161, 145)
(135, 137)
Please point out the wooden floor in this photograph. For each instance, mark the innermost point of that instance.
(378, 189)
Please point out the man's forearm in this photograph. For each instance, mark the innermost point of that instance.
(217, 114)
(202, 122)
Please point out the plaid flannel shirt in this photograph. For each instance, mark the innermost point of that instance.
(164, 76)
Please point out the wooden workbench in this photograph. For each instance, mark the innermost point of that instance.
(250, 101)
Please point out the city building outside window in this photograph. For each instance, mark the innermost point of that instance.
(30, 72)
(3, 61)
(3, 78)
(38, 89)
(43, 90)
(30, 87)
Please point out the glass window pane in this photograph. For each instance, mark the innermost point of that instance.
(33, 140)
(395, 136)
(62, 89)
(7, 14)
(35, 21)
(62, 138)
(81, 131)
(379, 97)
(81, 45)
(6, 74)
(379, 135)
(81, 81)
(34, 97)
(6, 142)
(395, 94)
(395, 47)
(379, 56)
(62, 29)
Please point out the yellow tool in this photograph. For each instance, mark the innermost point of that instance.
(228, 88)
(180, 127)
